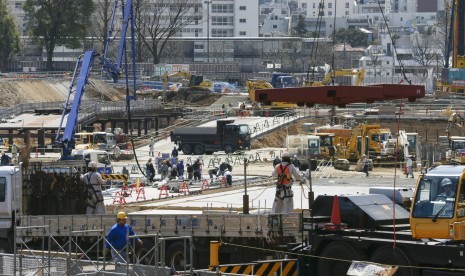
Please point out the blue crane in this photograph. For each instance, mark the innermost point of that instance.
(82, 72)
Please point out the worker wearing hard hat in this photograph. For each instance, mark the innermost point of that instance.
(94, 184)
(117, 240)
(286, 174)
(447, 188)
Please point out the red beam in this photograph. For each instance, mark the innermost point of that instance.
(339, 94)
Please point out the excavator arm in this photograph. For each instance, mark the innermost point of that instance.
(455, 120)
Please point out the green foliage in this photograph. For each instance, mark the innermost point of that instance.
(353, 37)
(58, 23)
(301, 28)
(9, 36)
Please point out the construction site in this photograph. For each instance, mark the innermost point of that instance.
(106, 173)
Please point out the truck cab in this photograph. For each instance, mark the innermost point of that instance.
(10, 197)
(279, 80)
(438, 210)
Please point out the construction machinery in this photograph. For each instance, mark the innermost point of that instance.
(189, 80)
(452, 78)
(305, 147)
(256, 84)
(329, 77)
(226, 135)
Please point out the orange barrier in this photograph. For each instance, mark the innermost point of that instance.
(164, 191)
(205, 184)
(184, 188)
(119, 198)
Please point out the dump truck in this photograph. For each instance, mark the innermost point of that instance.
(226, 136)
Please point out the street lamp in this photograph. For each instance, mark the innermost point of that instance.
(208, 29)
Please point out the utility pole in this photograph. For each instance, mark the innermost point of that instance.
(208, 29)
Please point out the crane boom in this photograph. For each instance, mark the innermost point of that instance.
(84, 66)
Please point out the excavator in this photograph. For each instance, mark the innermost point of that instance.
(366, 139)
(256, 84)
(191, 81)
(360, 74)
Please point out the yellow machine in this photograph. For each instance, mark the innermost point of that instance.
(360, 74)
(364, 139)
(191, 81)
(438, 210)
(253, 84)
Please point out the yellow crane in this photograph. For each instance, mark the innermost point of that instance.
(360, 74)
(255, 84)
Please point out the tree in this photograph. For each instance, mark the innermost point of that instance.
(423, 51)
(58, 23)
(158, 22)
(101, 21)
(9, 36)
(301, 28)
(351, 36)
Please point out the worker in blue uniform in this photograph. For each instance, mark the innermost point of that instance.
(118, 238)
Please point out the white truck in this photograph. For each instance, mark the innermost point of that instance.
(37, 199)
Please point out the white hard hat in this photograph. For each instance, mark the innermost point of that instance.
(286, 154)
(92, 165)
(445, 182)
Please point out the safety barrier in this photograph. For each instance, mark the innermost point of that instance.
(164, 191)
(184, 188)
(205, 184)
(274, 267)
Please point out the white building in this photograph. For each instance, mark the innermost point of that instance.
(332, 7)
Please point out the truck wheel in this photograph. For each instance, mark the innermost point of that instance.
(228, 149)
(329, 264)
(175, 256)
(186, 149)
(199, 149)
(143, 254)
(387, 255)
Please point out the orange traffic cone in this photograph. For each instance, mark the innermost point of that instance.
(335, 223)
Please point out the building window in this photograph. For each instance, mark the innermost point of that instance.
(304, 5)
(242, 20)
(314, 5)
(222, 33)
(347, 5)
(242, 33)
(401, 19)
(222, 8)
(387, 62)
(222, 20)
(242, 8)
(275, 26)
(198, 46)
(330, 13)
(330, 5)
(347, 12)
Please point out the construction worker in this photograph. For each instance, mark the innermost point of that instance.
(118, 237)
(296, 162)
(228, 176)
(286, 174)
(151, 145)
(5, 159)
(409, 165)
(447, 188)
(94, 184)
(366, 164)
(174, 152)
(150, 170)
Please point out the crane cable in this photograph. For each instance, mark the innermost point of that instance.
(402, 68)
(314, 50)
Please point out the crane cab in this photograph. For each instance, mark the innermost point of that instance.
(438, 210)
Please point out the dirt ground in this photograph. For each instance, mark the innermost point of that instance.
(33, 91)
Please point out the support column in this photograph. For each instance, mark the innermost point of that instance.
(10, 137)
(139, 125)
(157, 124)
(125, 127)
(27, 139)
(113, 125)
(146, 126)
(103, 126)
(53, 136)
(41, 138)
